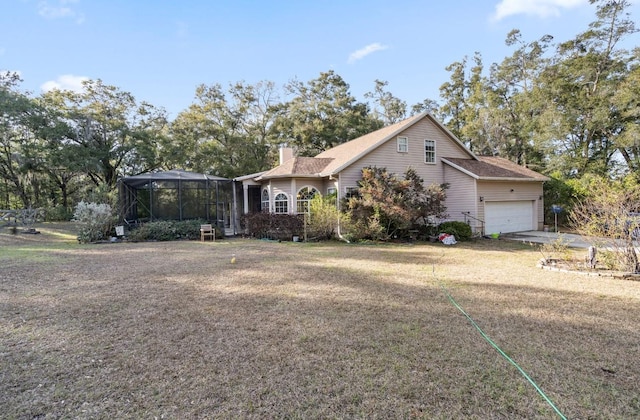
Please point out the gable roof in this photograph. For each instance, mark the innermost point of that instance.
(493, 168)
(336, 159)
(345, 154)
(299, 167)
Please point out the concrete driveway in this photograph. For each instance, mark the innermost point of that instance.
(537, 236)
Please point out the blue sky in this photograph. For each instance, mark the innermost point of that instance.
(161, 50)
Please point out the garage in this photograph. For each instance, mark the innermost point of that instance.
(508, 216)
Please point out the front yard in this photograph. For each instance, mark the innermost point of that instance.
(328, 330)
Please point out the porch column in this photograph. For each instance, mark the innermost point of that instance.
(245, 194)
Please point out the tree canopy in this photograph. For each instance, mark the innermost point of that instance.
(566, 108)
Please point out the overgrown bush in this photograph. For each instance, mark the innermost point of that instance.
(96, 221)
(324, 217)
(274, 226)
(167, 230)
(460, 230)
(358, 228)
(608, 214)
(388, 206)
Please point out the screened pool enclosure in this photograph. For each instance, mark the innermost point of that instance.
(176, 195)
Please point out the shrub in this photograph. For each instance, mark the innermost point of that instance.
(558, 249)
(324, 217)
(274, 226)
(167, 230)
(460, 230)
(96, 221)
(370, 228)
(388, 206)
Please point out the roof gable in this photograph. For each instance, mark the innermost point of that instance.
(347, 153)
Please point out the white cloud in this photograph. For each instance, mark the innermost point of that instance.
(363, 52)
(65, 82)
(60, 10)
(540, 8)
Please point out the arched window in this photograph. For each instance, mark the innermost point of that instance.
(281, 203)
(304, 196)
(265, 201)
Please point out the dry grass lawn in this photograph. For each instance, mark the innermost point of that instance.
(292, 330)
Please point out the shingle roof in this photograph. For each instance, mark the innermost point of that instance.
(494, 168)
(332, 160)
(337, 158)
(298, 166)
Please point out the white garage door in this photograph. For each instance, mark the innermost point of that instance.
(508, 216)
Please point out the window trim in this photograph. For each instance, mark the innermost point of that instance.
(277, 204)
(404, 142)
(350, 191)
(304, 203)
(265, 205)
(430, 152)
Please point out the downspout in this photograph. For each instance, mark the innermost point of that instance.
(338, 232)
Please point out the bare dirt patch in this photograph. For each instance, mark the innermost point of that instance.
(175, 329)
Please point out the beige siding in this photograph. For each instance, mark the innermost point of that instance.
(387, 156)
(275, 187)
(513, 191)
(290, 187)
(462, 197)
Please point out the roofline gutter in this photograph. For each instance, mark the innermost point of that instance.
(262, 178)
(511, 179)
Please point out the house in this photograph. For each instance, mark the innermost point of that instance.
(492, 194)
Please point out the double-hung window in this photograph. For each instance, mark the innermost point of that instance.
(403, 144)
(265, 201)
(429, 151)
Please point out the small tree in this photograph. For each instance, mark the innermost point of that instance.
(324, 216)
(387, 206)
(609, 214)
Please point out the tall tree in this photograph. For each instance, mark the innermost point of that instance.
(19, 144)
(427, 105)
(322, 114)
(388, 108)
(110, 133)
(514, 106)
(454, 94)
(626, 102)
(225, 133)
(581, 85)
